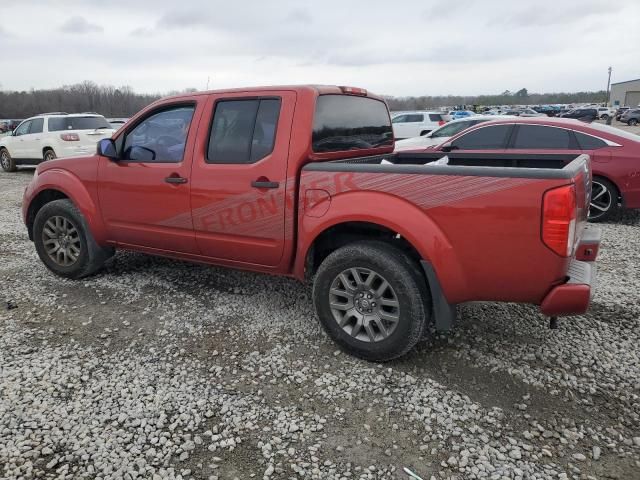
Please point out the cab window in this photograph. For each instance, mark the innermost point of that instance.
(161, 137)
(243, 131)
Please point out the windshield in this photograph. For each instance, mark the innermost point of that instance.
(57, 124)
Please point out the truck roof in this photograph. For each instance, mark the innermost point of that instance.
(318, 89)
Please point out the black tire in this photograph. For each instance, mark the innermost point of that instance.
(605, 117)
(48, 154)
(611, 204)
(8, 164)
(91, 256)
(632, 122)
(403, 276)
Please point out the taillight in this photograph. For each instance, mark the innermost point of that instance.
(441, 122)
(559, 220)
(70, 137)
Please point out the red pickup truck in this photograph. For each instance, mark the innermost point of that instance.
(302, 181)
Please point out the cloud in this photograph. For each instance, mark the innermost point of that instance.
(80, 25)
(183, 19)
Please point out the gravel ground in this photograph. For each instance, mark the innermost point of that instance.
(161, 369)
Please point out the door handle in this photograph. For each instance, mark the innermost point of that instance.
(264, 184)
(175, 179)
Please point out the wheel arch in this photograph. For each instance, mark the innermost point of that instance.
(384, 217)
(44, 149)
(56, 184)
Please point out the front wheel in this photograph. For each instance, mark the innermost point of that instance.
(64, 242)
(8, 164)
(605, 117)
(604, 200)
(633, 122)
(372, 300)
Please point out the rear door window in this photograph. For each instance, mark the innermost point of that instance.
(345, 122)
(541, 137)
(415, 117)
(487, 138)
(243, 131)
(435, 117)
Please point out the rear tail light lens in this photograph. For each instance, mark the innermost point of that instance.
(559, 220)
(441, 122)
(70, 137)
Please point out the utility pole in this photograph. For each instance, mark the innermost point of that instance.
(608, 85)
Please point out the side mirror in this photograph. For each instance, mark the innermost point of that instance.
(448, 146)
(107, 148)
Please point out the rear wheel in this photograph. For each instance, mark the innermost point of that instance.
(48, 155)
(604, 200)
(633, 122)
(64, 242)
(605, 117)
(372, 300)
(424, 132)
(8, 164)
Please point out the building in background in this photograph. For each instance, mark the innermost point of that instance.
(625, 93)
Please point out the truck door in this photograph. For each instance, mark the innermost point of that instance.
(145, 195)
(239, 192)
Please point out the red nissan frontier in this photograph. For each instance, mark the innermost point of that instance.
(303, 182)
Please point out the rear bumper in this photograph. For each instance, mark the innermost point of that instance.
(573, 297)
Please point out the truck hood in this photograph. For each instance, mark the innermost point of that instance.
(70, 163)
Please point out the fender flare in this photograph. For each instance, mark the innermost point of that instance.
(395, 214)
(72, 187)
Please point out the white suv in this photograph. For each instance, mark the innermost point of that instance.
(414, 124)
(605, 112)
(51, 135)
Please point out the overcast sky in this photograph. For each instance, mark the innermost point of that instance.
(401, 47)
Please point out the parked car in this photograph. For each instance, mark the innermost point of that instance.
(413, 124)
(615, 153)
(604, 113)
(456, 114)
(631, 117)
(582, 114)
(384, 236)
(443, 133)
(620, 111)
(47, 136)
(530, 112)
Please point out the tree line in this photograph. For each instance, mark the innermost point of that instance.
(84, 97)
(113, 101)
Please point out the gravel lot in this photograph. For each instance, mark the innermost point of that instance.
(161, 369)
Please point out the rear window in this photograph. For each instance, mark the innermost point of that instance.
(57, 124)
(344, 122)
(435, 117)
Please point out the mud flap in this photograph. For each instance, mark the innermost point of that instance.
(444, 312)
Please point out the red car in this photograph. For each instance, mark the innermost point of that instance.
(615, 153)
(303, 182)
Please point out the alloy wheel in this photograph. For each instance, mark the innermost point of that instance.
(364, 304)
(61, 241)
(601, 200)
(4, 160)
